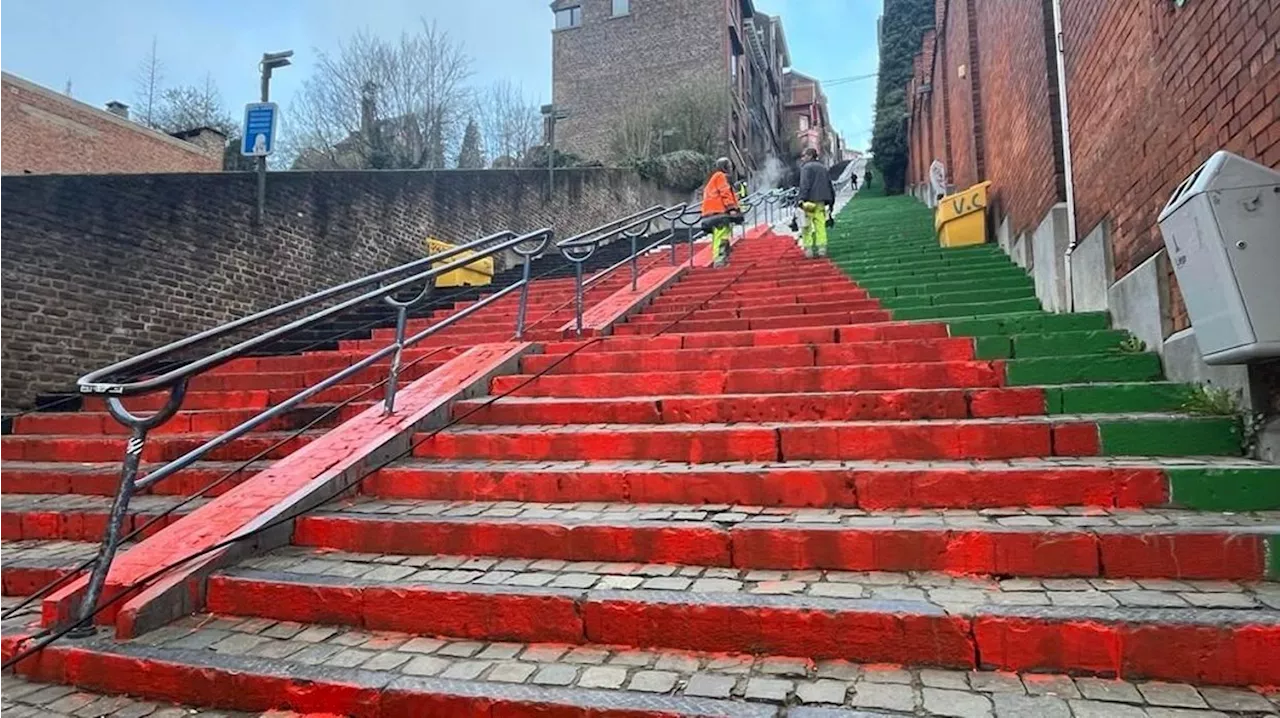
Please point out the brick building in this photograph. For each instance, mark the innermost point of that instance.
(807, 118)
(612, 56)
(48, 133)
(1152, 89)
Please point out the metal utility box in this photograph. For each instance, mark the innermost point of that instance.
(477, 274)
(961, 218)
(1222, 230)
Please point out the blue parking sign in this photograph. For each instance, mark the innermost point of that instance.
(260, 123)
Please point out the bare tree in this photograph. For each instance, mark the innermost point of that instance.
(189, 106)
(409, 92)
(148, 84)
(510, 123)
(689, 117)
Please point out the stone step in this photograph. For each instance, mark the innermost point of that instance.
(900, 405)
(30, 565)
(69, 517)
(209, 478)
(1081, 542)
(1203, 484)
(995, 438)
(259, 664)
(162, 447)
(1135, 631)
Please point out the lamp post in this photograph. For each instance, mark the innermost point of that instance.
(270, 61)
(550, 114)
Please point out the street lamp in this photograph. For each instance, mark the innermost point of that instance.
(550, 114)
(662, 137)
(270, 61)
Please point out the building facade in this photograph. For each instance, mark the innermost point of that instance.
(807, 117)
(1152, 90)
(45, 132)
(613, 57)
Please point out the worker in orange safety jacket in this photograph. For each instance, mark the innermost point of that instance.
(720, 210)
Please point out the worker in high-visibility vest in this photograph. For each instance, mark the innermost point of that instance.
(720, 210)
(816, 199)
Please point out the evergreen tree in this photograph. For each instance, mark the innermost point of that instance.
(902, 28)
(470, 157)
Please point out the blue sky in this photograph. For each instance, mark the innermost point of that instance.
(98, 44)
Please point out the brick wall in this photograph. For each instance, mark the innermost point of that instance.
(1018, 112)
(963, 170)
(1153, 91)
(611, 65)
(99, 268)
(45, 132)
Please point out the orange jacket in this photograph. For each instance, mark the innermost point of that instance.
(718, 196)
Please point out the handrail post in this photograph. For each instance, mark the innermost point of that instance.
(522, 309)
(674, 243)
(393, 376)
(402, 321)
(577, 295)
(635, 262)
(138, 429)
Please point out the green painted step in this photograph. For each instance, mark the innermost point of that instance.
(1001, 281)
(1170, 436)
(1027, 323)
(1207, 488)
(909, 278)
(1007, 306)
(1082, 369)
(992, 262)
(1060, 343)
(1116, 397)
(874, 252)
(971, 296)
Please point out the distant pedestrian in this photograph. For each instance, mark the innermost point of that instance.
(866, 176)
(816, 198)
(720, 210)
(853, 180)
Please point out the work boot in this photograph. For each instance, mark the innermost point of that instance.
(809, 253)
(822, 252)
(720, 262)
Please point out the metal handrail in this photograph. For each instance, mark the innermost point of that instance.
(95, 382)
(176, 380)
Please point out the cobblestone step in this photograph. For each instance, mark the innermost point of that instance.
(263, 663)
(1061, 542)
(102, 478)
(30, 565)
(163, 447)
(1205, 484)
(27, 699)
(1026, 436)
(82, 518)
(921, 620)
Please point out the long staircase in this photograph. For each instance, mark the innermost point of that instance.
(882, 485)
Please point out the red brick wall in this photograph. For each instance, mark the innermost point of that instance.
(963, 169)
(1017, 110)
(48, 133)
(1153, 91)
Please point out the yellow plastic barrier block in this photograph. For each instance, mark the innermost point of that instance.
(477, 274)
(961, 219)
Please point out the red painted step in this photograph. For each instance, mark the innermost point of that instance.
(865, 485)
(81, 518)
(865, 377)
(1019, 544)
(163, 447)
(102, 479)
(1068, 640)
(892, 352)
(900, 405)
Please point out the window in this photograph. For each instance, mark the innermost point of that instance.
(568, 17)
(621, 7)
(804, 122)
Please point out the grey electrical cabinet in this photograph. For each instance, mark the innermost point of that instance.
(1222, 230)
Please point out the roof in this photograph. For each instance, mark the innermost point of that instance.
(98, 113)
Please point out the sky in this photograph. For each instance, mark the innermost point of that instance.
(97, 45)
